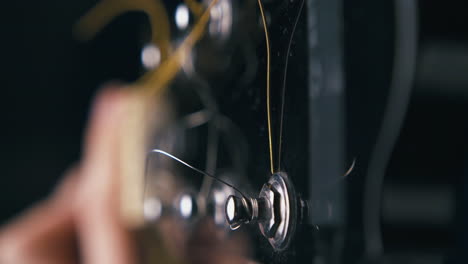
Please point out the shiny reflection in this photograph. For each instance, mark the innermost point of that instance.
(187, 206)
(182, 233)
(182, 16)
(174, 239)
(221, 20)
(192, 226)
(219, 198)
(230, 209)
(150, 56)
(152, 209)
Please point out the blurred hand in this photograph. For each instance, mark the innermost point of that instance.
(80, 221)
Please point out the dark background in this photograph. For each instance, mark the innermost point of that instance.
(48, 82)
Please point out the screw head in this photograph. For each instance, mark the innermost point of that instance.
(280, 226)
(236, 211)
(270, 225)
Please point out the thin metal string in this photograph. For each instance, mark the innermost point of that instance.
(267, 41)
(158, 151)
(286, 63)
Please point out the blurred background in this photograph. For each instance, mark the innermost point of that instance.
(49, 79)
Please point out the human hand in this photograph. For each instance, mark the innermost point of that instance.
(80, 221)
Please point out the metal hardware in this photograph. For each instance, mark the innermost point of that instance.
(274, 210)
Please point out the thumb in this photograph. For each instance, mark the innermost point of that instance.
(102, 235)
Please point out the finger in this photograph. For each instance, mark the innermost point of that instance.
(43, 234)
(103, 238)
